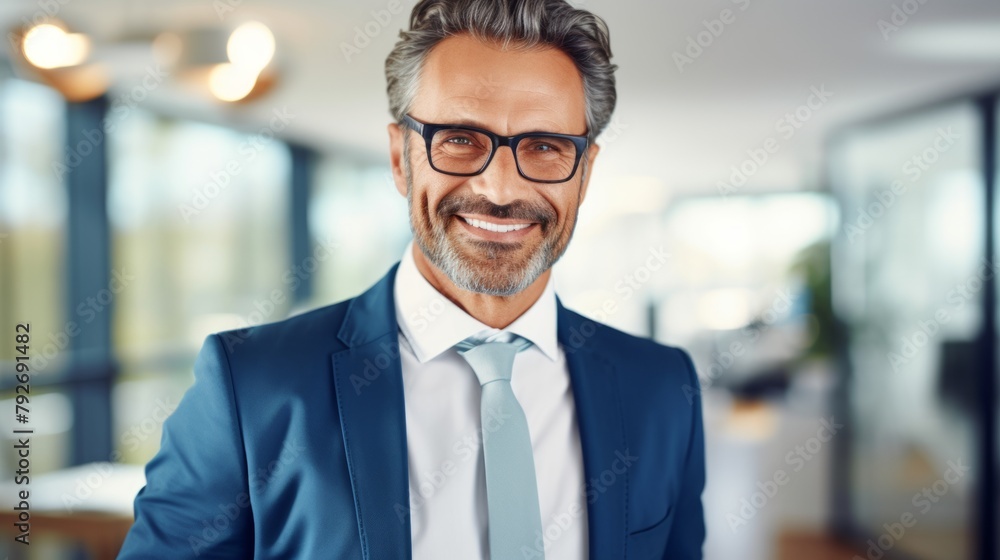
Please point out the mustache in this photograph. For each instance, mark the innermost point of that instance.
(517, 210)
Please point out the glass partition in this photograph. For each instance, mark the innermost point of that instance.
(909, 274)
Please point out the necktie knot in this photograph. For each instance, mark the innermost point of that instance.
(492, 358)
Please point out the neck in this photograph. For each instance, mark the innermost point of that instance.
(494, 311)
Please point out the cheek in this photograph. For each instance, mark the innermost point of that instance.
(565, 208)
(429, 189)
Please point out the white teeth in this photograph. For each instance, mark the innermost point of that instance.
(494, 227)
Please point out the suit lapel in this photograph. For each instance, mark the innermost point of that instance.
(602, 436)
(369, 387)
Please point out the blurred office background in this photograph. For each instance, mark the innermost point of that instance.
(803, 194)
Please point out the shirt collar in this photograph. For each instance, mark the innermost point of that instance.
(432, 323)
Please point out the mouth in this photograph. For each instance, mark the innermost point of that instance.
(493, 229)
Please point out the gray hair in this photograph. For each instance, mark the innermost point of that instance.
(580, 34)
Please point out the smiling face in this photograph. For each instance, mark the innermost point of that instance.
(494, 233)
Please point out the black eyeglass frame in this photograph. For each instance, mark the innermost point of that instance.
(428, 130)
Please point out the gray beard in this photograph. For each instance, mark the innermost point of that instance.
(466, 275)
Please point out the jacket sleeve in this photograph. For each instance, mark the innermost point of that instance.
(196, 502)
(687, 534)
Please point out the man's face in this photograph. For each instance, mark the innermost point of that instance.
(466, 81)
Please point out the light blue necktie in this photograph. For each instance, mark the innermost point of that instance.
(515, 519)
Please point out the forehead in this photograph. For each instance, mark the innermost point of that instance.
(510, 91)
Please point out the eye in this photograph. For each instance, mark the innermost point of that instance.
(459, 139)
(544, 146)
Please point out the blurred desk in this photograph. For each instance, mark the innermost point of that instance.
(798, 545)
(90, 504)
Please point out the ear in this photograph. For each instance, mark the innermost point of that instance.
(591, 156)
(396, 138)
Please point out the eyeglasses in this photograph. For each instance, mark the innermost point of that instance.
(543, 157)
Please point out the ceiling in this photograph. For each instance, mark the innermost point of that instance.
(676, 129)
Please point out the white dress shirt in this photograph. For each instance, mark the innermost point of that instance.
(448, 515)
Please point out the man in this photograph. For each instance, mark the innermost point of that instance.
(456, 409)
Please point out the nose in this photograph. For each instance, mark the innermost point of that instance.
(500, 181)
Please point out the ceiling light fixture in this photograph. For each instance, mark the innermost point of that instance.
(49, 46)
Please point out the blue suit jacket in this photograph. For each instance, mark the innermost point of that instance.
(292, 443)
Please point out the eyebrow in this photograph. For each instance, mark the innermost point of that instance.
(474, 123)
(467, 122)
